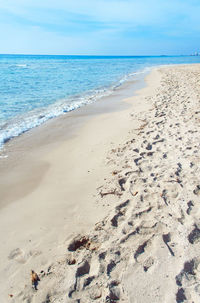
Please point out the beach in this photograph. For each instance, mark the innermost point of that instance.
(103, 203)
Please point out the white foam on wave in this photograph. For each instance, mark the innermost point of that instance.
(21, 65)
(131, 76)
(24, 123)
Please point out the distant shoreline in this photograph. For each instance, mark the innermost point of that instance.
(96, 56)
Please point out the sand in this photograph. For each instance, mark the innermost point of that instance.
(111, 213)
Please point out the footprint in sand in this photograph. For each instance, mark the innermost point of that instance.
(148, 263)
(20, 256)
(17, 255)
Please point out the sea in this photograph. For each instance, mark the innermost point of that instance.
(36, 88)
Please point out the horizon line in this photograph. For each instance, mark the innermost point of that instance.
(160, 55)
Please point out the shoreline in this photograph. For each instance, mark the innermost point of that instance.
(109, 187)
(46, 114)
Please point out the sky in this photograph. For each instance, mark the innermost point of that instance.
(100, 27)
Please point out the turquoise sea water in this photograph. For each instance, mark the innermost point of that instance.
(36, 88)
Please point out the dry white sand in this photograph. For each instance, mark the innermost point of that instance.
(135, 173)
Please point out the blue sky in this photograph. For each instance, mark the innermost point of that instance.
(100, 27)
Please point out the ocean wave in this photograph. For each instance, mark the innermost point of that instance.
(18, 66)
(21, 65)
(131, 76)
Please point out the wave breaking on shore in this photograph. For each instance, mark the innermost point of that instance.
(16, 126)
